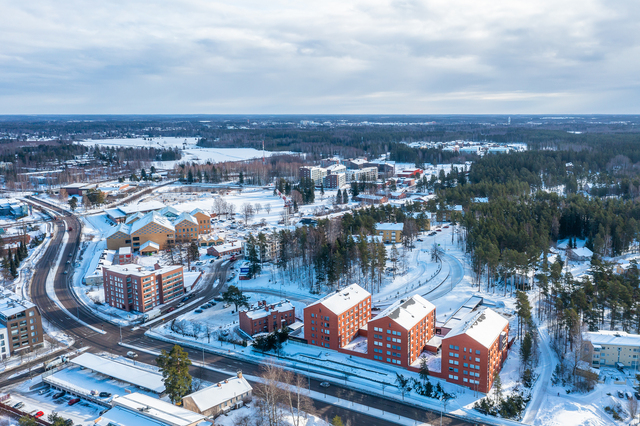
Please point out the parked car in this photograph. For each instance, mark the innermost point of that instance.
(132, 354)
(42, 391)
(198, 311)
(325, 384)
(180, 305)
(64, 273)
(59, 395)
(637, 395)
(18, 405)
(184, 299)
(171, 309)
(39, 414)
(204, 307)
(628, 395)
(446, 226)
(73, 401)
(620, 394)
(105, 394)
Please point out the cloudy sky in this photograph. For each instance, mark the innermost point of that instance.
(348, 56)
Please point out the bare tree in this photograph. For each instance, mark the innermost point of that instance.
(257, 207)
(270, 395)
(632, 407)
(247, 212)
(230, 209)
(267, 208)
(298, 399)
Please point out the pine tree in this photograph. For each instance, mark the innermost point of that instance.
(339, 197)
(174, 366)
(345, 197)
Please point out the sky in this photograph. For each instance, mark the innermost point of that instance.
(320, 57)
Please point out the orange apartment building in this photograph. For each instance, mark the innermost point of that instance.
(263, 318)
(203, 220)
(475, 349)
(471, 351)
(336, 319)
(399, 334)
(132, 288)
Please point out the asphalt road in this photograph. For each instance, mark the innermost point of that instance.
(109, 342)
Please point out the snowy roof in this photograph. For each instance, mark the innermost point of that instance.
(407, 313)
(11, 304)
(133, 218)
(358, 161)
(220, 392)
(124, 372)
(169, 211)
(344, 299)
(185, 217)
(151, 217)
(117, 213)
(198, 210)
(129, 269)
(228, 246)
(156, 409)
(119, 416)
(256, 312)
(389, 226)
(582, 252)
(167, 269)
(483, 326)
(126, 229)
(617, 338)
(150, 244)
(142, 207)
(124, 250)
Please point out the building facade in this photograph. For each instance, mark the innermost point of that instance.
(133, 288)
(20, 325)
(336, 319)
(219, 398)
(316, 174)
(335, 181)
(474, 350)
(399, 334)
(266, 318)
(390, 232)
(614, 349)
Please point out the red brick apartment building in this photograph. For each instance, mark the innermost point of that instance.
(263, 318)
(399, 334)
(474, 350)
(132, 288)
(336, 319)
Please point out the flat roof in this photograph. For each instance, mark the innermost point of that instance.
(158, 410)
(407, 313)
(617, 338)
(11, 304)
(389, 226)
(344, 299)
(124, 372)
(130, 269)
(142, 207)
(483, 326)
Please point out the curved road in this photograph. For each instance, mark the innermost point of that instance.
(108, 342)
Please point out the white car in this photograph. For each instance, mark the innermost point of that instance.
(132, 354)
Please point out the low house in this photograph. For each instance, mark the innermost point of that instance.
(581, 254)
(219, 398)
(140, 409)
(225, 249)
(371, 199)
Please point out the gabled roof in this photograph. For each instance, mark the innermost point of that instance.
(220, 392)
(169, 211)
(617, 338)
(125, 229)
(344, 299)
(133, 218)
(141, 207)
(157, 409)
(152, 217)
(185, 217)
(482, 326)
(151, 244)
(407, 313)
(198, 210)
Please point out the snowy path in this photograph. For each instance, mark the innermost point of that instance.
(540, 390)
(453, 278)
(296, 297)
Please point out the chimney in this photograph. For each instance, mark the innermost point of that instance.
(219, 385)
(226, 380)
(239, 374)
(157, 266)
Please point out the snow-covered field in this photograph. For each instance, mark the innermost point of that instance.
(190, 151)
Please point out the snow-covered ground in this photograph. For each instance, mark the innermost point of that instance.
(250, 411)
(190, 151)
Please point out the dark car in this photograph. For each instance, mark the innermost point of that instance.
(73, 401)
(105, 394)
(171, 309)
(59, 395)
